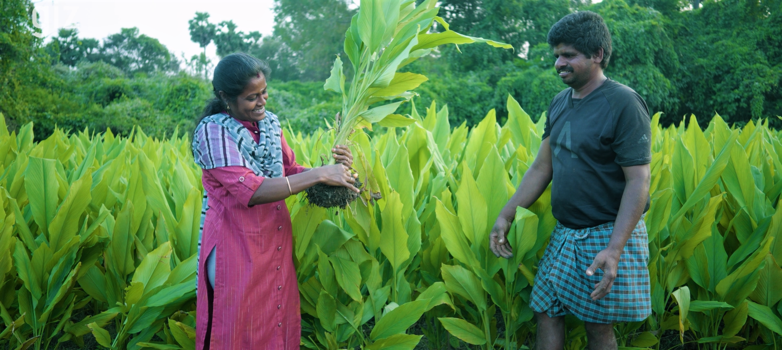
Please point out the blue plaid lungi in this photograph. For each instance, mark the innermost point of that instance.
(563, 287)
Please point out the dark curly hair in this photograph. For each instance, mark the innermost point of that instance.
(231, 75)
(585, 31)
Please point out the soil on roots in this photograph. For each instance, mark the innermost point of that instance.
(327, 196)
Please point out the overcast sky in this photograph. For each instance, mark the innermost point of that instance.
(165, 20)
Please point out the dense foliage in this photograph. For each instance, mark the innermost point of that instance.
(660, 51)
(98, 236)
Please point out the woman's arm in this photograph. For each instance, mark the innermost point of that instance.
(276, 189)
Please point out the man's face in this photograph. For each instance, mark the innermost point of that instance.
(574, 67)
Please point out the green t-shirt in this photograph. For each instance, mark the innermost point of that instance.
(591, 140)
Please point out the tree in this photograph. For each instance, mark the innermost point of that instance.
(134, 53)
(71, 49)
(202, 32)
(522, 24)
(280, 57)
(228, 40)
(314, 30)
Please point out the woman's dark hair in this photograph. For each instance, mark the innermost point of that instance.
(231, 75)
(585, 31)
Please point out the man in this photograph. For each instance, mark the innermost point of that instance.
(596, 148)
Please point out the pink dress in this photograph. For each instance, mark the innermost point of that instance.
(256, 295)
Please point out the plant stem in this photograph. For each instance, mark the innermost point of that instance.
(487, 329)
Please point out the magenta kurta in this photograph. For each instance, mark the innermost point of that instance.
(256, 295)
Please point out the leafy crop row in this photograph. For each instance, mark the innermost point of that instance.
(98, 235)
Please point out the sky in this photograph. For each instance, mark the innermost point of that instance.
(165, 20)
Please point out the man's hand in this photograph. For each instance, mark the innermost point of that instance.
(608, 261)
(497, 239)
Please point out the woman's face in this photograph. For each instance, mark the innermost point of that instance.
(250, 105)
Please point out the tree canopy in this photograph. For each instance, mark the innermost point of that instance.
(682, 56)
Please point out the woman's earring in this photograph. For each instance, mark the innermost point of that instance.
(227, 107)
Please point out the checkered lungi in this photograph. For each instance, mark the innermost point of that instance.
(563, 287)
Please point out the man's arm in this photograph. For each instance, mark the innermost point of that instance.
(631, 208)
(535, 181)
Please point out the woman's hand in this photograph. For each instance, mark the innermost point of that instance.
(342, 155)
(338, 175)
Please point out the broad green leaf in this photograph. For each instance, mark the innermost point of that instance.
(101, 335)
(304, 224)
(40, 182)
(393, 238)
(490, 182)
(682, 297)
(182, 334)
(463, 282)
(348, 276)
(472, 209)
(377, 114)
(327, 311)
(396, 121)
(398, 320)
(708, 305)
(155, 268)
(336, 82)
(708, 181)
(371, 23)
(396, 342)
(64, 225)
(451, 233)
(769, 289)
(645, 340)
(403, 81)
(463, 330)
(735, 319)
(29, 276)
(765, 316)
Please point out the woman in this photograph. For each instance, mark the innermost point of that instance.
(250, 298)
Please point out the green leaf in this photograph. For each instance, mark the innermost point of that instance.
(155, 268)
(336, 81)
(463, 330)
(158, 346)
(184, 336)
(400, 319)
(708, 181)
(41, 185)
(396, 121)
(65, 224)
(101, 335)
(397, 342)
(765, 316)
(472, 209)
(463, 282)
(29, 276)
(327, 311)
(170, 294)
(708, 305)
(377, 114)
(645, 340)
(451, 233)
(304, 224)
(735, 319)
(393, 238)
(403, 81)
(682, 296)
(769, 289)
(371, 24)
(348, 276)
